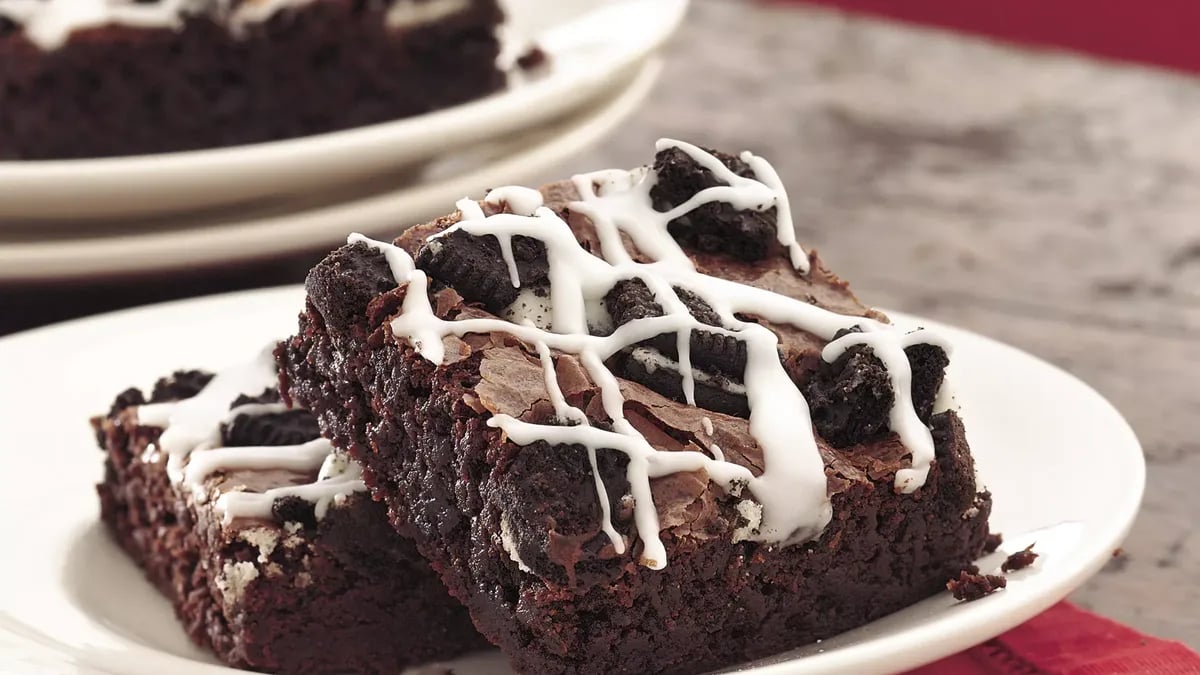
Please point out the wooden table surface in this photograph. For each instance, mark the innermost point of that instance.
(1046, 200)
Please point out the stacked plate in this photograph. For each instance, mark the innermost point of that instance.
(75, 218)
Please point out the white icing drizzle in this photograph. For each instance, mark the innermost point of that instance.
(572, 415)
(191, 438)
(715, 449)
(652, 360)
(522, 201)
(790, 502)
(331, 486)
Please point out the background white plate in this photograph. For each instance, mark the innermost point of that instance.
(1064, 467)
(591, 45)
(207, 242)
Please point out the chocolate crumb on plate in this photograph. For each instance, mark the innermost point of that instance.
(1019, 560)
(969, 587)
(534, 57)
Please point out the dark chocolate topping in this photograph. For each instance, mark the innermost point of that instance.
(475, 268)
(268, 395)
(716, 226)
(290, 427)
(294, 509)
(342, 285)
(180, 384)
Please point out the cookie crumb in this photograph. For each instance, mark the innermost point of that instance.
(534, 57)
(969, 587)
(1019, 560)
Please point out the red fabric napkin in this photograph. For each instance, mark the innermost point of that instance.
(1066, 640)
(1162, 32)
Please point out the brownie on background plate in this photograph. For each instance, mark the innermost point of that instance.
(634, 426)
(262, 536)
(97, 78)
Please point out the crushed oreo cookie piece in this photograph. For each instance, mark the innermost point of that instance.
(630, 300)
(294, 509)
(969, 587)
(126, 399)
(476, 269)
(1019, 560)
(712, 392)
(714, 353)
(928, 363)
(345, 282)
(552, 511)
(290, 427)
(715, 227)
(851, 398)
(268, 395)
(180, 385)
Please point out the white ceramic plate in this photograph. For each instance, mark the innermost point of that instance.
(1064, 467)
(591, 45)
(207, 242)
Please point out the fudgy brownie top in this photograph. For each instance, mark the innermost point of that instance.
(666, 313)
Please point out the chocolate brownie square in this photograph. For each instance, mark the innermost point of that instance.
(262, 536)
(634, 425)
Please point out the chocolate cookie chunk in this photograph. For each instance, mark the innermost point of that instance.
(851, 398)
(290, 427)
(711, 392)
(130, 397)
(181, 384)
(928, 363)
(475, 267)
(551, 510)
(712, 352)
(268, 395)
(294, 509)
(715, 227)
(342, 285)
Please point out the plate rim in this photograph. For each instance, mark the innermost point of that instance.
(280, 233)
(411, 139)
(944, 634)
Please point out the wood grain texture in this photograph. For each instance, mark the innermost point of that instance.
(1046, 200)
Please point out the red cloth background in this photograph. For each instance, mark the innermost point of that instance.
(1066, 640)
(1159, 32)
